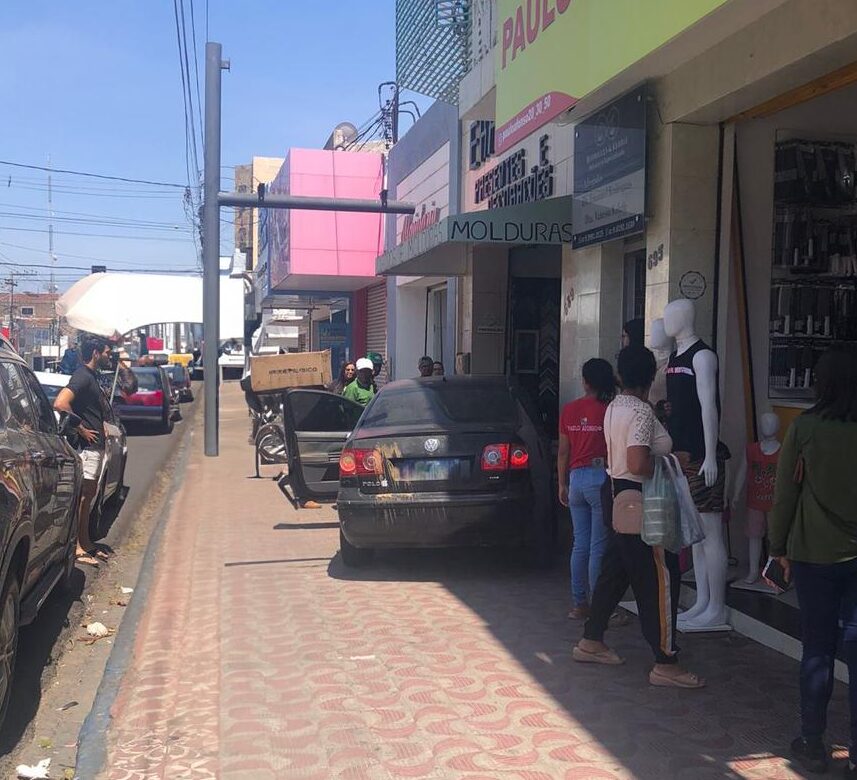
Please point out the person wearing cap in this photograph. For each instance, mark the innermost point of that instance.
(425, 366)
(377, 364)
(362, 389)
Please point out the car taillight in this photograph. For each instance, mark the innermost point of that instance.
(495, 457)
(519, 458)
(360, 462)
(502, 457)
(147, 398)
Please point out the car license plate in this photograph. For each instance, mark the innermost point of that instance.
(426, 470)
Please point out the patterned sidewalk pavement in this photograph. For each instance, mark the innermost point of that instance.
(260, 656)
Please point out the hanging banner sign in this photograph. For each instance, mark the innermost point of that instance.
(552, 53)
(610, 172)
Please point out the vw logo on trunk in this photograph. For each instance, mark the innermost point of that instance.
(432, 445)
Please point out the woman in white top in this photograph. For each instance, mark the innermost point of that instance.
(634, 438)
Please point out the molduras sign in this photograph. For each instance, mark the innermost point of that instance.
(545, 222)
(509, 183)
(510, 231)
(417, 224)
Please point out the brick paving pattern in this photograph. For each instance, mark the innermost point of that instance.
(260, 656)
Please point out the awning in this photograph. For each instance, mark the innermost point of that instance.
(441, 250)
(112, 304)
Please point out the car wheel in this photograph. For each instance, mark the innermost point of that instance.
(10, 614)
(167, 424)
(354, 556)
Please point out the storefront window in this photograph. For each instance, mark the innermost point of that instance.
(814, 262)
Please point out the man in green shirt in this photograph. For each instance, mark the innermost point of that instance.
(361, 390)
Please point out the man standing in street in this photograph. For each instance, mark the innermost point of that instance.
(362, 389)
(84, 397)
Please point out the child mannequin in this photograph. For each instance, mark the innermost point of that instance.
(758, 470)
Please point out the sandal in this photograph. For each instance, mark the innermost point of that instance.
(686, 680)
(603, 657)
(87, 560)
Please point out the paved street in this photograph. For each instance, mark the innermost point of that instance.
(260, 656)
(54, 667)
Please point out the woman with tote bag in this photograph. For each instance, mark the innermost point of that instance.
(634, 439)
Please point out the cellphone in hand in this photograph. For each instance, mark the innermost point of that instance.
(774, 575)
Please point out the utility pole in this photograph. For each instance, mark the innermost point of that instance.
(54, 337)
(213, 201)
(214, 64)
(11, 284)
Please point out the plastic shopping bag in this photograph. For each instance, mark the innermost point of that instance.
(660, 509)
(690, 523)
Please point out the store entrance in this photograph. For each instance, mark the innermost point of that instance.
(532, 354)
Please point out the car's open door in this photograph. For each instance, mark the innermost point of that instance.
(317, 425)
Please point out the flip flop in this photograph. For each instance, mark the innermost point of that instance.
(603, 657)
(87, 560)
(686, 681)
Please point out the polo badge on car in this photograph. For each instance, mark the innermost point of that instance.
(432, 445)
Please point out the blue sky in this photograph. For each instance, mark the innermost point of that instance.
(96, 85)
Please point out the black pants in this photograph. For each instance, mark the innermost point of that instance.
(654, 576)
(826, 594)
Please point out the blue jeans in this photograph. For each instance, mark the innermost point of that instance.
(826, 594)
(590, 533)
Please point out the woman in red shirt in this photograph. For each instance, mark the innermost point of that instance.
(582, 469)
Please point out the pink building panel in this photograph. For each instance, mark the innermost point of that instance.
(324, 243)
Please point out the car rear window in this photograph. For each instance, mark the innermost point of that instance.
(147, 380)
(443, 403)
(176, 373)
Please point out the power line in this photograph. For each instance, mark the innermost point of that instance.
(92, 175)
(164, 226)
(92, 235)
(87, 268)
(88, 214)
(86, 194)
(196, 72)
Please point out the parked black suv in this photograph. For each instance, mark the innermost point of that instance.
(40, 483)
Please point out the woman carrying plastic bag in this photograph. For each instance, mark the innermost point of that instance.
(690, 529)
(661, 509)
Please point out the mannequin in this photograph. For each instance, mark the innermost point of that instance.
(694, 424)
(662, 346)
(761, 458)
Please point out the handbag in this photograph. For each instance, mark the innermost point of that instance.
(660, 510)
(628, 512)
(690, 527)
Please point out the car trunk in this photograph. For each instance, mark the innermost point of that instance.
(432, 461)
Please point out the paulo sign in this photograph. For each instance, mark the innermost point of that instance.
(552, 53)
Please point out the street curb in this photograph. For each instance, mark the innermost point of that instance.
(92, 740)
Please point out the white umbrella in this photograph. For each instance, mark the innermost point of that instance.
(111, 305)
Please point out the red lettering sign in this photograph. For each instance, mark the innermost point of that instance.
(520, 31)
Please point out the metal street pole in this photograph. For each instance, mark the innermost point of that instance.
(211, 245)
(212, 201)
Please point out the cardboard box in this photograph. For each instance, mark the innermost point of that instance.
(297, 369)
